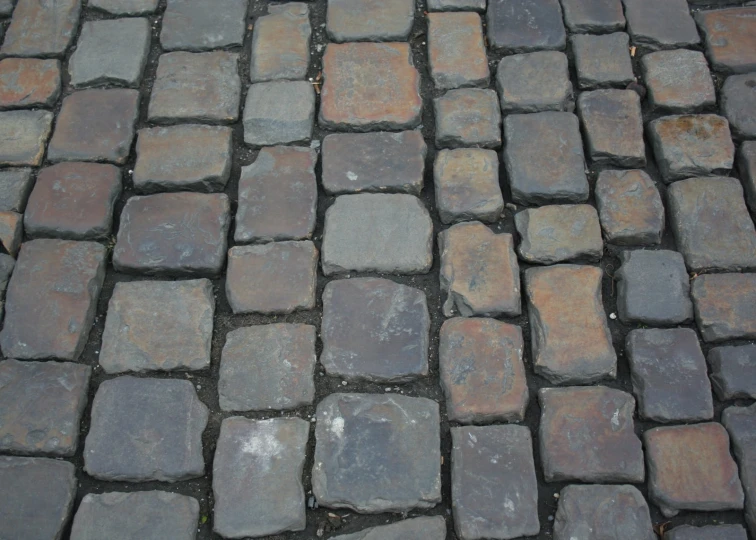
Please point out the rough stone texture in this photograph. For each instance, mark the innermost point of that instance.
(354, 162)
(74, 201)
(110, 52)
(173, 234)
(466, 182)
(613, 127)
(691, 145)
(145, 429)
(149, 515)
(198, 25)
(690, 468)
(678, 81)
(390, 233)
(603, 61)
(586, 434)
(630, 207)
(669, 375)
(95, 125)
(40, 406)
(369, 86)
(267, 367)
(374, 329)
(23, 135)
(15, 186)
(593, 16)
(468, 117)
(377, 453)
(517, 26)
(558, 233)
(570, 336)
(202, 87)
(741, 425)
(653, 288)
(730, 36)
(456, 51)
(718, 532)
(7, 263)
(479, 271)
(746, 166)
(733, 371)
(11, 231)
(29, 82)
(660, 25)
(428, 528)
(36, 497)
(279, 112)
(125, 7)
(260, 461)
(711, 224)
(534, 82)
(725, 306)
(41, 27)
(6, 7)
(281, 43)
(272, 278)
(278, 195)
(51, 299)
(183, 158)
(597, 512)
(494, 491)
(158, 326)
(544, 158)
(739, 104)
(482, 372)
(368, 20)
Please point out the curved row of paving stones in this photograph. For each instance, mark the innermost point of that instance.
(378, 453)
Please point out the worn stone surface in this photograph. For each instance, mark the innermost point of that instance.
(691, 145)
(369, 86)
(593, 16)
(479, 271)
(51, 299)
(711, 224)
(41, 27)
(557, 233)
(267, 367)
(739, 104)
(746, 167)
(456, 51)
(586, 434)
(468, 117)
(720, 532)
(725, 306)
(369, 20)
(281, 43)
(95, 125)
(28, 82)
(653, 288)
(377, 453)
(390, 233)
(202, 87)
(544, 158)
(36, 497)
(198, 25)
(374, 329)
(279, 112)
(596, 512)
(429, 528)
(6, 7)
(260, 461)
(741, 425)
(11, 231)
(482, 372)
(613, 127)
(660, 25)
(570, 336)
(466, 182)
(15, 186)
(733, 371)
(7, 263)
(516, 26)
(494, 491)
(23, 135)
(602, 61)
(74, 201)
(125, 7)
(278, 194)
(145, 429)
(690, 468)
(158, 326)
(354, 162)
(534, 82)
(173, 234)
(678, 81)
(272, 278)
(730, 38)
(150, 515)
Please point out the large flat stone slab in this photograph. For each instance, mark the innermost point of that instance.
(41, 28)
(613, 127)
(456, 51)
(517, 26)
(466, 181)
(197, 25)
(534, 82)
(630, 207)
(729, 38)
(660, 25)
(366, 20)
(468, 117)
(23, 135)
(733, 371)
(678, 81)
(279, 112)
(29, 82)
(725, 306)
(281, 43)
(741, 425)
(429, 528)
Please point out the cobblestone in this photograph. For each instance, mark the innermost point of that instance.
(593, 16)
(630, 207)
(430, 528)
(456, 5)
(603, 61)
(660, 25)
(721, 532)
(15, 186)
(534, 82)
(29, 82)
(739, 104)
(125, 7)
(741, 425)
(43, 28)
(455, 50)
(517, 26)
(725, 306)
(11, 231)
(729, 38)
(468, 117)
(678, 81)
(23, 135)
(466, 182)
(196, 25)
(733, 371)
(367, 20)
(747, 168)
(281, 43)
(279, 112)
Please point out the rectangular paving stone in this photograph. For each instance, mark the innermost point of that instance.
(630, 207)
(259, 462)
(374, 329)
(267, 367)
(367, 20)
(279, 112)
(534, 82)
(456, 51)
(382, 161)
(456, 5)
(603, 61)
(741, 425)
(660, 25)
(281, 43)
(429, 528)
(570, 336)
(725, 306)
(494, 491)
(41, 404)
(733, 371)
(125, 7)
(15, 186)
(29, 82)
(613, 127)
(158, 326)
(593, 16)
(178, 234)
(466, 182)
(729, 38)
(739, 105)
(720, 532)
(51, 299)
(198, 25)
(678, 81)
(23, 135)
(746, 167)
(467, 117)
(41, 27)
(11, 231)
(278, 195)
(517, 26)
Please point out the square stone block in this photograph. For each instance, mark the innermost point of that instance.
(739, 105)
(466, 182)
(468, 117)
(613, 127)
(534, 82)
(41, 28)
(678, 81)
(741, 425)
(198, 25)
(426, 527)
(733, 371)
(29, 82)
(281, 43)
(593, 16)
(456, 51)
(517, 26)
(730, 38)
(125, 7)
(15, 186)
(725, 306)
(660, 25)
(603, 61)
(23, 135)
(279, 112)
(366, 20)
(630, 207)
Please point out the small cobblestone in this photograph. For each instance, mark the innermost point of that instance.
(678, 81)
(747, 168)
(29, 82)
(603, 61)
(279, 112)
(456, 5)
(468, 117)
(11, 231)
(281, 43)
(429, 528)
(15, 186)
(456, 52)
(593, 16)
(739, 105)
(366, 20)
(534, 82)
(660, 25)
(517, 26)
(741, 425)
(198, 25)
(733, 371)
(125, 7)
(41, 28)
(720, 532)
(466, 182)
(23, 135)
(725, 306)
(729, 38)
(630, 207)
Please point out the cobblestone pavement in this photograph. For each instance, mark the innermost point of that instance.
(378, 269)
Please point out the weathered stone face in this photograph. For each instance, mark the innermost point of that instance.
(369, 20)
(741, 425)
(15, 186)
(678, 81)
(466, 182)
(739, 104)
(516, 26)
(720, 532)
(603, 61)
(125, 7)
(468, 117)
(534, 82)
(593, 16)
(730, 38)
(660, 25)
(630, 207)
(196, 25)
(429, 528)
(747, 169)
(23, 135)
(733, 371)
(725, 306)
(279, 112)
(11, 231)
(456, 52)
(41, 28)
(28, 82)
(281, 43)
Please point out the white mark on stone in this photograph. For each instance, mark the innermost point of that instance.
(615, 419)
(509, 505)
(337, 426)
(352, 177)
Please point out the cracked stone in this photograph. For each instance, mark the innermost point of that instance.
(367, 20)
(456, 51)
(517, 26)
(741, 425)
(23, 135)
(733, 371)
(720, 532)
(125, 7)
(534, 82)
(468, 117)
(678, 81)
(29, 82)
(739, 104)
(630, 207)
(429, 528)
(603, 61)
(660, 25)
(466, 182)
(41, 27)
(198, 25)
(281, 43)
(613, 127)
(729, 37)
(593, 16)
(15, 186)
(11, 231)
(279, 112)
(746, 166)
(725, 306)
